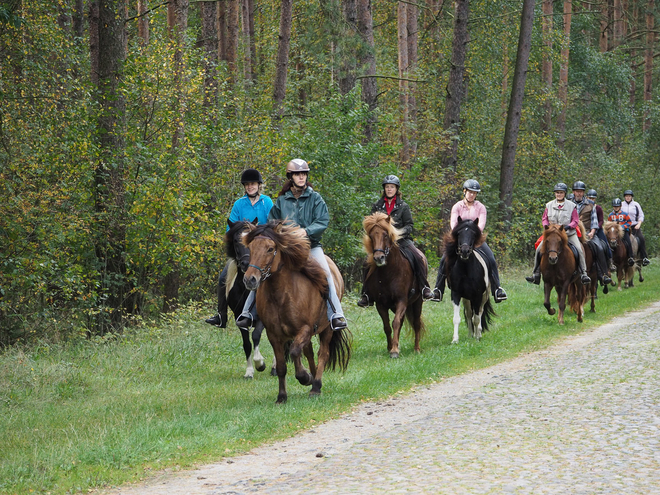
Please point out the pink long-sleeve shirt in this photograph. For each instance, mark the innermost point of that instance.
(460, 209)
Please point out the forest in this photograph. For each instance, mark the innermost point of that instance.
(125, 126)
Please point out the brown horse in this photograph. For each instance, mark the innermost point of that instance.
(390, 281)
(624, 272)
(291, 300)
(558, 268)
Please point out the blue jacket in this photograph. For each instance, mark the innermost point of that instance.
(243, 209)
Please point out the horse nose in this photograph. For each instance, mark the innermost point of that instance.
(379, 259)
(465, 250)
(245, 264)
(553, 259)
(251, 282)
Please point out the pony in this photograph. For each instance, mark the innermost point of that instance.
(558, 269)
(467, 277)
(390, 281)
(237, 294)
(624, 272)
(292, 291)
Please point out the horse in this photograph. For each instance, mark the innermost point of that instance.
(237, 294)
(467, 277)
(624, 272)
(292, 292)
(390, 281)
(558, 269)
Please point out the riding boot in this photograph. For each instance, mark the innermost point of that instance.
(220, 319)
(536, 273)
(601, 265)
(364, 300)
(439, 290)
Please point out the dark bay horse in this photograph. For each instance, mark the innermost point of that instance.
(624, 272)
(390, 281)
(467, 277)
(558, 269)
(292, 292)
(237, 293)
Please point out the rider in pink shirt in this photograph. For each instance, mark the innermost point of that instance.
(471, 209)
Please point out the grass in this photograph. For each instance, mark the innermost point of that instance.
(99, 413)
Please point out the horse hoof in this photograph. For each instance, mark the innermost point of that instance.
(394, 355)
(261, 368)
(280, 400)
(248, 376)
(606, 289)
(313, 394)
(273, 372)
(552, 311)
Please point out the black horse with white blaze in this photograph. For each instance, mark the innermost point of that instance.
(467, 277)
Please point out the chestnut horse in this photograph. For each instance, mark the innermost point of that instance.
(390, 281)
(292, 291)
(467, 277)
(558, 269)
(237, 294)
(624, 272)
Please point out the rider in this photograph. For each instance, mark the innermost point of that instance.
(634, 211)
(301, 204)
(600, 233)
(253, 204)
(623, 219)
(561, 212)
(471, 209)
(391, 204)
(589, 217)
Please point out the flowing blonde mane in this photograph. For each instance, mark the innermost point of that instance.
(554, 229)
(378, 220)
(617, 227)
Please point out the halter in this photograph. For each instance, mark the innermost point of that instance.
(265, 271)
(385, 251)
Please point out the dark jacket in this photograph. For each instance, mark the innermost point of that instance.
(308, 211)
(400, 214)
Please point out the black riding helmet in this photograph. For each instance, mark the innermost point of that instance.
(627, 192)
(579, 186)
(616, 202)
(251, 175)
(591, 193)
(472, 185)
(560, 186)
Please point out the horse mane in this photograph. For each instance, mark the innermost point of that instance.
(294, 248)
(451, 237)
(383, 221)
(583, 232)
(619, 230)
(554, 229)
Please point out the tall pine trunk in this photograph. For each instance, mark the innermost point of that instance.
(546, 67)
(402, 27)
(648, 61)
(563, 72)
(282, 62)
(368, 62)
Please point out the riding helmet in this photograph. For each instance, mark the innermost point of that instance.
(616, 202)
(251, 175)
(579, 186)
(591, 193)
(392, 179)
(472, 185)
(297, 165)
(627, 192)
(560, 186)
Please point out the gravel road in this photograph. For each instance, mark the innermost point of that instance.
(581, 417)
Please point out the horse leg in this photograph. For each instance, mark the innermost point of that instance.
(257, 358)
(302, 344)
(457, 318)
(278, 350)
(385, 316)
(397, 323)
(547, 289)
(594, 290)
(468, 312)
(247, 348)
(414, 314)
(639, 269)
(561, 302)
(323, 356)
(476, 322)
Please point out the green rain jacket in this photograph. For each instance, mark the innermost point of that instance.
(308, 211)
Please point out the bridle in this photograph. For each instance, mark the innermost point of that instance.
(385, 251)
(459, 246)
(265, 271)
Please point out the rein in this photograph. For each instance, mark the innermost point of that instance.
(265, 271)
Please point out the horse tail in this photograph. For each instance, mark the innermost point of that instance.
(410, 319)
(340, 350)
(487, 315)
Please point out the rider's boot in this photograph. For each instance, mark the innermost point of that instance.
(363, 302)
(535, 278)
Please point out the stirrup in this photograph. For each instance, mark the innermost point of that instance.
(363, 302)
(338, 323)
(500, 295)
(244, 320)
(534, 279)
(646, 262)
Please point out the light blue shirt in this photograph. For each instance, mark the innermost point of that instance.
(243, 209)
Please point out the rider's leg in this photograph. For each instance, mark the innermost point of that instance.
(220, 319)
(249, 314)
(536, 273)
(629, 249)
(601, 262)
(439, 290)
(641, 242)
(499, 294)
(364, 301)
(608, 251)
(573, 239)
(335, 312)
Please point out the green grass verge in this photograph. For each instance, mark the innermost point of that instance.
(103, 412)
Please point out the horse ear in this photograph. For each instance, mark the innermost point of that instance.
(255, 221)
(546, 227)
(459, 219)
(561, 227)
(230, 223)
(476, 221)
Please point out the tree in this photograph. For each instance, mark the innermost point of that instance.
(282, 61)
(546, 67)
(514, 113)
(563, 72)
(368, 62)
(648, 60)
(402, 29)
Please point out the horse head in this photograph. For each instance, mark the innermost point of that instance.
(234, 243)
(555, 240)
(467, 234)
(380, 236)
(614, 233)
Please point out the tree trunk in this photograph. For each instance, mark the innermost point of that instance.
(348, 65)
(79, 18)
(563, 73)
(94, 41)
(282, 62)
(402, 28)
(413, 58)
(617, 23)
(546, 68)
(605, 26)
(648, 61)
(369, 83)
(253, 43)
(143, 22)
(454, 99)
(107, 47)
(514, 114)
(209, 36)
(232, 41)
(221, 28)
(247, 53)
